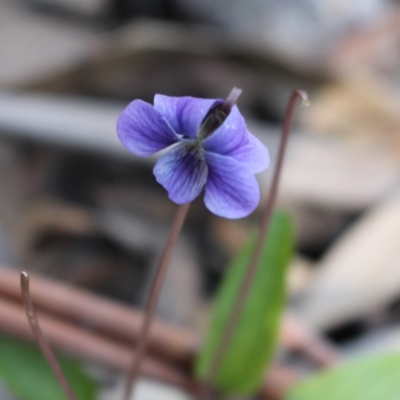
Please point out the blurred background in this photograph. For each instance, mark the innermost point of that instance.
(76, 206)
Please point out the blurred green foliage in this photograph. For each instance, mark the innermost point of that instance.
(25, 372)
(368, 378)
(254, 341)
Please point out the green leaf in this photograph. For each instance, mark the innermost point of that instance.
(368, 378)
(25, 372)
(254, 341)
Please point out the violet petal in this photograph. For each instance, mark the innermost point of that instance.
(185, 114)
(234, 140)
(143, 130)
(232, 190)
(182, 172)
(229, 136)
(253, 155)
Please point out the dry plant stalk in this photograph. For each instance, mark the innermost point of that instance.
(43, 343)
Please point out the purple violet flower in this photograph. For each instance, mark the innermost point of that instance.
(210, 147)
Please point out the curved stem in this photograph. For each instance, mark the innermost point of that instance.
(244, 290)
(159, 278)
(44, 345)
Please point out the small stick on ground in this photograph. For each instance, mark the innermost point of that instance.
(104, 316)
(44, 345)
(297, 335)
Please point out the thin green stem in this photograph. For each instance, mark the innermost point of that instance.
(155, 291)
(234, 318)
(44, 345)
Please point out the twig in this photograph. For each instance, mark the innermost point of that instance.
(106, 316)
(244, 290)
(176, 227)
(278, 382)
(43, 343)
(297, 335)
(78, 342)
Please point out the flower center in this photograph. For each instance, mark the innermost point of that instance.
(194, 147)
